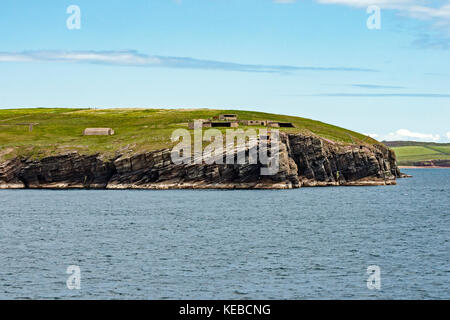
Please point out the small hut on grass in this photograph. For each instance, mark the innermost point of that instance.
(98, 132)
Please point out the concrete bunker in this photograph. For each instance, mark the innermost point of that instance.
(231, 124)
(98, 132)
(205, 123)
(281, 124)
(254, 122)
(286, 125)
(228, 117)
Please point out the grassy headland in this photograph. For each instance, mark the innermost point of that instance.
(58, 130)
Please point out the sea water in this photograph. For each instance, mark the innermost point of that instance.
(308, 243)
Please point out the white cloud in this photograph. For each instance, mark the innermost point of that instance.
(448, 135)
(404, 134)
(372, 135)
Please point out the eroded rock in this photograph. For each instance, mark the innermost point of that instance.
(304, 160)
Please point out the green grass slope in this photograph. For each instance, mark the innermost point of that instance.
(60, 130)
(409, 152)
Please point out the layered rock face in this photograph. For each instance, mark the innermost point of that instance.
(64, 171)
(9, 174)
(303, 161)
(322, 163)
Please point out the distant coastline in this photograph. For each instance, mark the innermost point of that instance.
(416, 154)
(423, 167)
(429, 164)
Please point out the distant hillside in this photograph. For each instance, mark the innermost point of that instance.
(414, 153)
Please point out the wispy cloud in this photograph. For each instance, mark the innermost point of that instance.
(432, 41)
(441, 15)
(374, 86)
(437, 12)
(392, 4)
(134, 58)
(381, 95)
(448, 135)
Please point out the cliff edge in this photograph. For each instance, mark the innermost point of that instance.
(304, 161)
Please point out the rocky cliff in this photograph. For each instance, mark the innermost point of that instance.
(304, 160)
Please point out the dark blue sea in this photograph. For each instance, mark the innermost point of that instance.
(309, 243)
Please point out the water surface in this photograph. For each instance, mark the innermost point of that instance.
(310, 243)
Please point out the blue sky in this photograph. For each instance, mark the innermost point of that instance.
(310, 58)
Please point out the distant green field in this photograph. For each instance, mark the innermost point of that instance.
(407, 155)
(59, 130)
(441, 149)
